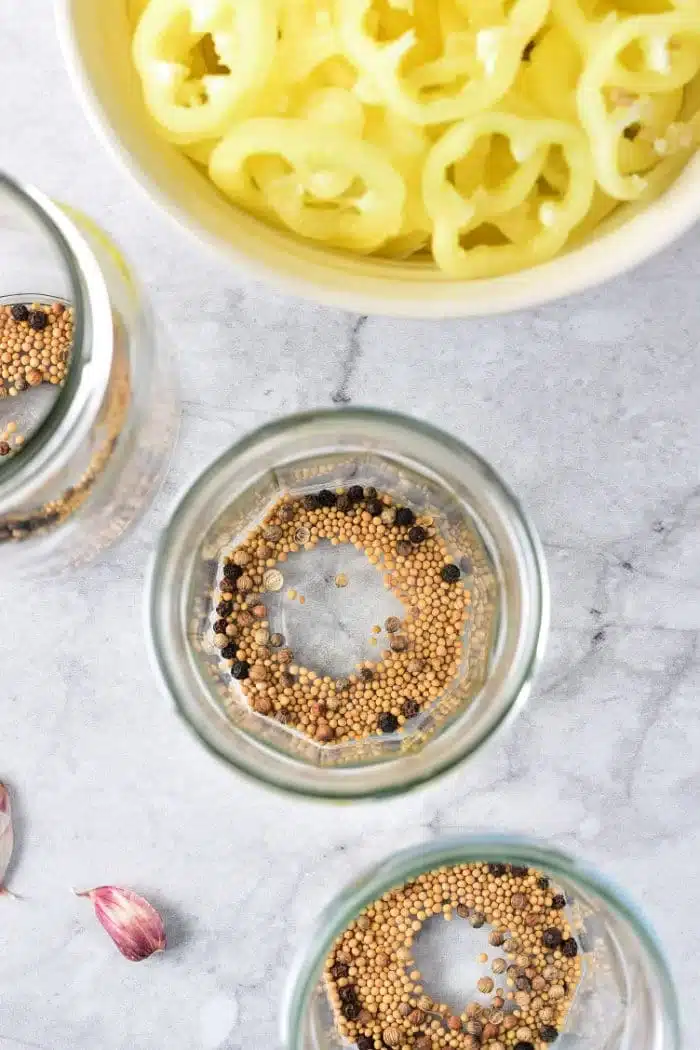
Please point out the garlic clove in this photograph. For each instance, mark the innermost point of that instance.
(7, 837)
(133, 924)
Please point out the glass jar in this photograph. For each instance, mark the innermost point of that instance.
(88, 393)
(625, 999)
(481, 523)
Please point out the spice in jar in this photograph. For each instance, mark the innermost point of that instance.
(425, 646)
(389, 1004)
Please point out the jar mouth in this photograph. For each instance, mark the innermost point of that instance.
(408, 864)
(58, 436)
(173, 568)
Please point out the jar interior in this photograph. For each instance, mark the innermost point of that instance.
(333, 630)
(616, 1004)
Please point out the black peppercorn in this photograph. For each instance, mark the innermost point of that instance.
(370, 492)
(220, 627)
(240, 670)
(523, 984)
(569, 948)
(405, 516)
(404, 548)
(326, 498)
(310, 502)
(365, 1042)
(37, 320)
(552, 938)
(20, 312)
(348, 994)
(343, 502)
(548, 1034)
(523, 1045)
(387, 722)
(232, 572)
(366, 674)
(497, 870)
(519, 870)
(339, 970)
(409, 709)
(450, 573)
(229, 651)
(351, 1010)
(559, 901)
(355, 493)
(224, 609)
(375, 507)
(417, 534)
(543, 882)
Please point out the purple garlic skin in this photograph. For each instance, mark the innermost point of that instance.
(133, 924)
(6, 835)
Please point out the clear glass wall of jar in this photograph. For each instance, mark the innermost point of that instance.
(481, 522)
(625, 1000)
(86, 447)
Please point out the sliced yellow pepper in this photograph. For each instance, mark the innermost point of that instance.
(456, 216)
(487, 57)
(191, 104)
(311, 163)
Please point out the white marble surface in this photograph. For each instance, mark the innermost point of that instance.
(589, 407)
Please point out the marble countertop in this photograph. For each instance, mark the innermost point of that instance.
(589, 407)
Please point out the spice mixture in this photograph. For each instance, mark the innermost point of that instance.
(35, 345)
(36, 341)
(377, 994)
(422, 651)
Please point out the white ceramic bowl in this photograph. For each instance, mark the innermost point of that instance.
(96, 39)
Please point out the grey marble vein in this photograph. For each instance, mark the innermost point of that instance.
(589, 407)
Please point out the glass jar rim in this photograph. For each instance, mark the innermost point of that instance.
(60, 434)
(408, 863)
(173, 544)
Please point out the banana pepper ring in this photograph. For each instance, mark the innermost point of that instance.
(455, 216)
(603, 70)
(191, 104)
(490, 58)
(664, 65)
(309, 164)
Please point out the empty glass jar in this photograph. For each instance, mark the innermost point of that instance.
(88, 406)
(625, 999)
(446, 484)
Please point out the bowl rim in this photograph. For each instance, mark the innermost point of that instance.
(612, 254)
